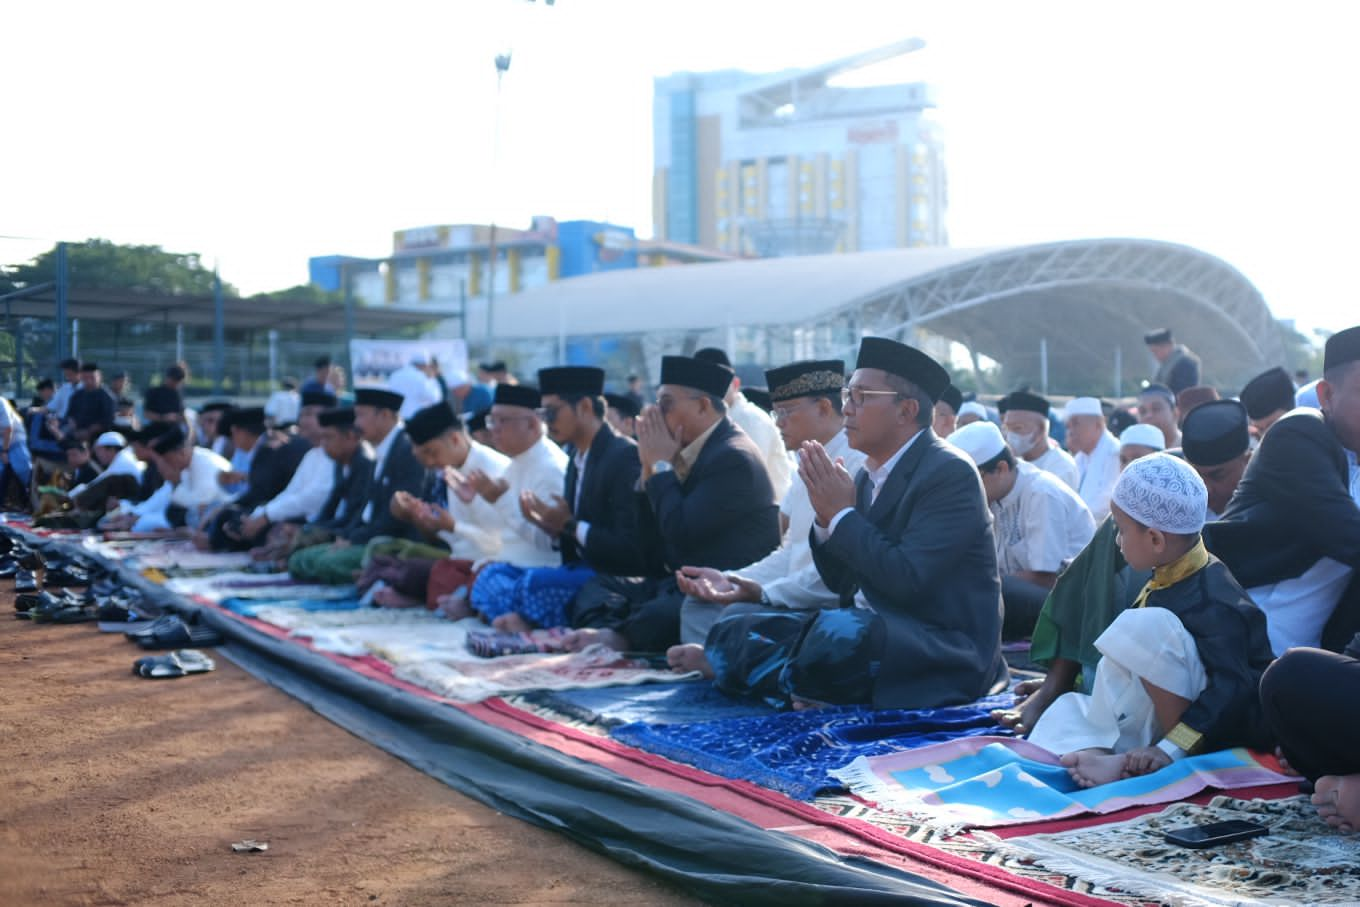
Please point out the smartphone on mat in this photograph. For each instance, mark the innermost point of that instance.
(1216, 833)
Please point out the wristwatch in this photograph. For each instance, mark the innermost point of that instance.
(661, 466)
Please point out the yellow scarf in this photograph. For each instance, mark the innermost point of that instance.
(1167, 575)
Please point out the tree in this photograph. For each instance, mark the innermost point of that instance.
(101, 264)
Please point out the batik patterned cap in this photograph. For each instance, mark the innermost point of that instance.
(1163, 492)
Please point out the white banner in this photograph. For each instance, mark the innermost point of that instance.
(374, 360)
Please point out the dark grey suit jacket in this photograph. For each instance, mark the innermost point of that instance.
(400, 471)
(614, 545)
(924, 556)
(351, 490)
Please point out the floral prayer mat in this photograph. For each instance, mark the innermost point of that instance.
(1301, 861)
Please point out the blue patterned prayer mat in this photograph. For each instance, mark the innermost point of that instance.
(683, 702)
(794, 752)
(247, 607)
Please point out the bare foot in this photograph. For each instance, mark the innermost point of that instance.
(388, 597)
(454, 607)
(1039, 695)
(511, 623)
(577, 640)
(1092, 768)
(687, 658)
(1337, 798)
(802, 705)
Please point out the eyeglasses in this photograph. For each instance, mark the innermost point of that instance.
(547, 413)
(493, 421)
(856, 395)
(667, 403)
(784, 412)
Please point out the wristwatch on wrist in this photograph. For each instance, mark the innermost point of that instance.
(661, 466)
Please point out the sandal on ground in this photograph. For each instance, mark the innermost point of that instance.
(178, 635)
(176, 664)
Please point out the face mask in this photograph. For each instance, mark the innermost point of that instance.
(1020, 444)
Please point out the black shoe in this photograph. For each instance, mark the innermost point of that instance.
(25, 581)
(69, 575)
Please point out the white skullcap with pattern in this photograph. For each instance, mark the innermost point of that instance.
(1163, 492)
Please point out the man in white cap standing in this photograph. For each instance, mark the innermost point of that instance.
(1040, 524)
(1096, 452)
(417, 388)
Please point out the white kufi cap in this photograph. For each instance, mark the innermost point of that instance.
(1144, 434)
(110, 439)
(1163, 492)
(982, 441)
(973, 408)
(1083, 406)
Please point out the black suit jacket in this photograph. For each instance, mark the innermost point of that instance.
(1292, 507)
(722, 516)
(400, 472)
(608, 504)
(271, 469)
(924, 555)
(352, 490)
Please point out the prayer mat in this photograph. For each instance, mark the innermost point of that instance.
(1301, 861)
(493, 643)
(250, 607)
(985, 781)
(185, 556)
(482, 678)
(672, 703)
(795, 752)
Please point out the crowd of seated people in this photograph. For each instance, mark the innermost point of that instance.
(1189, 582)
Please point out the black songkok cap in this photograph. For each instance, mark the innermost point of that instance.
(170, 440)
(1267, 392)
(626, 405)
(905, 362)
(952, 397)
(1215, 432)
(71, 443)
(571, 380)
(713, 354)
(477, 422)
(379, 397)
(89, 366)
(217, 406)
(807, 378)
(431, 422)
(1342, 347)
(250, 418)
(525, 395)
(163, 400)
(759, 396)
(1023, 401)
(1161, 335)
(151, 431)
(497, 366)
(318, 398)
(322, 362)
(69, 365)
(336, 418)
(707, 377)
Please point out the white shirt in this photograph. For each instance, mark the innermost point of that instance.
(418, 389)
(787, 574)
(283, 407)
(541, 469)
(125, 463)
(1040, 524)
(11, 419)
(306, 492)
(1060, 463)
(380, 463)
(198, 490)
(61, 399)
(470, 539)
(760, 428)
(1298, 609)
(1099, 472)
(151, 512)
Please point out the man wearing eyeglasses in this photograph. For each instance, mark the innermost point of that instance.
(906, 545)
(705, 500)
(593, 522)
(806, 399)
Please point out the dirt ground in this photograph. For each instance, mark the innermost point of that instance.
(119, 790)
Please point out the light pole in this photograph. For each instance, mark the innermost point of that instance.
(502, 67)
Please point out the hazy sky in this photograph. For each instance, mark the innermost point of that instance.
(258, 134)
